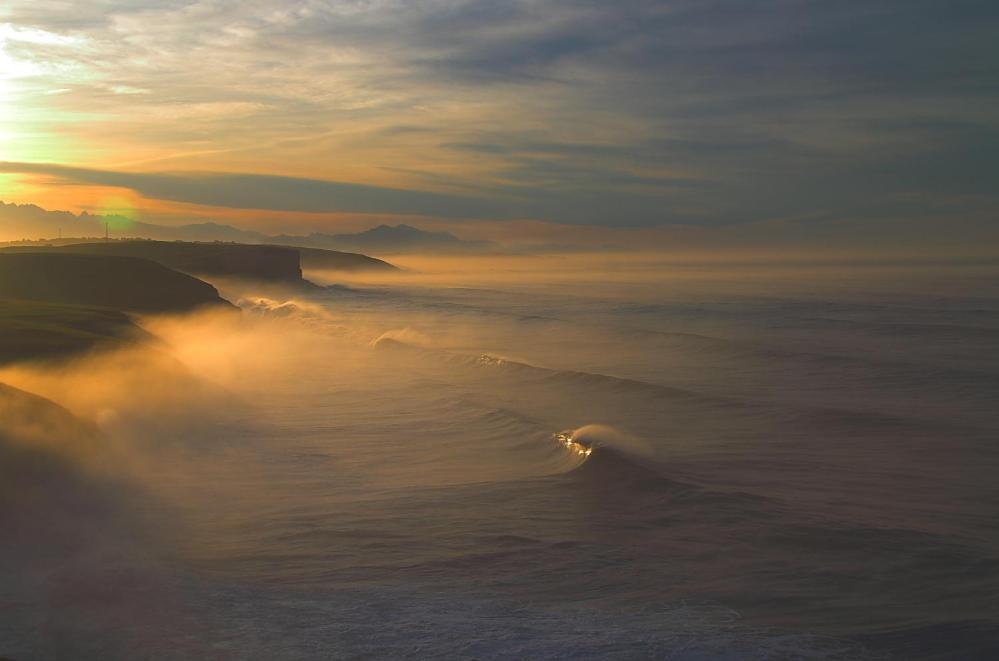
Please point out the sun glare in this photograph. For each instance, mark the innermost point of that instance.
(6, 94)
(120, 212)
(26, 81)
(11, 70)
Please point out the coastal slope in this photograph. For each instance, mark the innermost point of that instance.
(35, 330)
(265, 263)
(334, 260)
(121, 283)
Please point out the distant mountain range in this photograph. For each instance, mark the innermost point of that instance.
(390, 239)
(30, 222)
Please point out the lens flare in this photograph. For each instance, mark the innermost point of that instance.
(119, 212)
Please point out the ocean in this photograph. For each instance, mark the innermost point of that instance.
(578, 457)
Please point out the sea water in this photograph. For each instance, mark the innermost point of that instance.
(578, 460)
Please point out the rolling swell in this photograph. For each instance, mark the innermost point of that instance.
(927, 384)
(606, 456)
(692, 403)
(517, 368)
(610, 463)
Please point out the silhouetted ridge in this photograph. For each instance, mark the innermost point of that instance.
(394, 239)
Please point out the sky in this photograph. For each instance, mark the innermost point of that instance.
(583, 116)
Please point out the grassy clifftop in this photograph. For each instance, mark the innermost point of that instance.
(122, 283)
(318, 258)
(271, 263)
(32, 330)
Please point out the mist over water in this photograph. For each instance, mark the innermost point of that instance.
(581, 457)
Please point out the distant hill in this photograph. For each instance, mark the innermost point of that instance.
(121, 283)
(206, 232)
(27, 221)
(33, 224)
(392, 239)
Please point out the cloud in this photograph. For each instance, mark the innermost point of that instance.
(251, 191)
(633, 112)
(295, 194)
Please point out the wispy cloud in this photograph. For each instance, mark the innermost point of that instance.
(636, 112)
(270, 192)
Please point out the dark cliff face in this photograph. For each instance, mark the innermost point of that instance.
(124, 283)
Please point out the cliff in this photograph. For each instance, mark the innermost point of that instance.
(32, 330)
(268, 263)
(122, 283)
(319, 258)
(272, 263)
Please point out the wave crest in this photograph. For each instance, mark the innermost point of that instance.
(605, 450)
